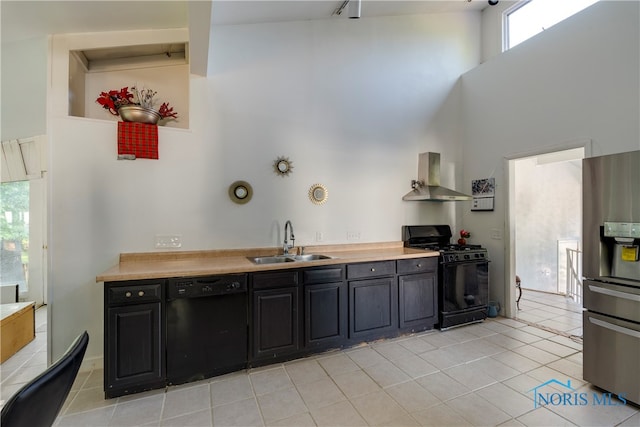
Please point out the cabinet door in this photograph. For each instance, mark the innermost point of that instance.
(325, 318)
(373, 308)
(418, 301)
(134, 349)
(275, 322)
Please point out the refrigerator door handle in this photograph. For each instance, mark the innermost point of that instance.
(613, 293)
(615, 328)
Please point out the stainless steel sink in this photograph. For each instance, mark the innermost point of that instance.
(311, 257)
(271, 259)
(276, 259)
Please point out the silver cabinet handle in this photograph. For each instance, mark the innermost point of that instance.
(613, 293)
(373, 269)
(615, 328)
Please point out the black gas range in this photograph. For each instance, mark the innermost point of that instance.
(463, 274)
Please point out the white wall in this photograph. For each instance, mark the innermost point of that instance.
(576, 80)
(24, 88)
(351, 103)
(492, 23)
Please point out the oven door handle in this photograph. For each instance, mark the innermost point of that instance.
(612, 293)
(615, 328)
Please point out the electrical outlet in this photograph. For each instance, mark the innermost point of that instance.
(353, 235)
(168, 241)
(495, 234)
(319, 236)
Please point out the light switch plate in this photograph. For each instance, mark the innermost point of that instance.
(353, 235)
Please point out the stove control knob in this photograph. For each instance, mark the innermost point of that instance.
(466, 257)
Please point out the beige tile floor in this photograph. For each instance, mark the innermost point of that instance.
(27, 363)
(551, 311)
(476, 375)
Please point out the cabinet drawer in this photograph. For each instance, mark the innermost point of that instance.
(371, 269)
(417, 265)
(276, 279)
(323, 275)
(134, 293)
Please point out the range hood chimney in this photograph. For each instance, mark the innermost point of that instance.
(427, 187)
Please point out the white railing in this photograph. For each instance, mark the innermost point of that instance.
(574, 274)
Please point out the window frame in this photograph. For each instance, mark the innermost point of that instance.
(505, 22)
(574, 9)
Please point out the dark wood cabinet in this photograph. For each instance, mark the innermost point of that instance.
(275, 315)
(373, 302)
(293, 312)
(325, 308)
(134, 343)
(418, 294)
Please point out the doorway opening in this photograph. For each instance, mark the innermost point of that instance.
(548, 220)
(22, 219)
(544, 227)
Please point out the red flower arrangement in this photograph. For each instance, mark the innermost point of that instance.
(114, 99)
(464, 235)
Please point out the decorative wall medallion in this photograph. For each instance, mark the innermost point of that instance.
(282, 166)
(318, 194)
(240, 192)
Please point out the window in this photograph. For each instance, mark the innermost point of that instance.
(528, 18)
(14, 224)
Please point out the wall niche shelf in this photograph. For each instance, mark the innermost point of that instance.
(162, 67)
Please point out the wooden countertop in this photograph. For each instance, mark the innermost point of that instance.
(12, 310)
(157, 265)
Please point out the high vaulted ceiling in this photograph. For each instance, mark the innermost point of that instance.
(23, 19)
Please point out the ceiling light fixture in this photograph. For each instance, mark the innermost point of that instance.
(354, 9)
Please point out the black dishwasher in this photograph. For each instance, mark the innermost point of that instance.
(206, 327)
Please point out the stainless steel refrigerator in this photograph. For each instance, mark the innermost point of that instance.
(611, 270)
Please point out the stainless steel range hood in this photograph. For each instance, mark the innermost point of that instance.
(427, 186)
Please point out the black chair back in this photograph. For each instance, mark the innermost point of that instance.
(38, 402)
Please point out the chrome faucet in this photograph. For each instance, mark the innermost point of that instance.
(286, 246)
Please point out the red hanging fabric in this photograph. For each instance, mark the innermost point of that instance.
(139, 139)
